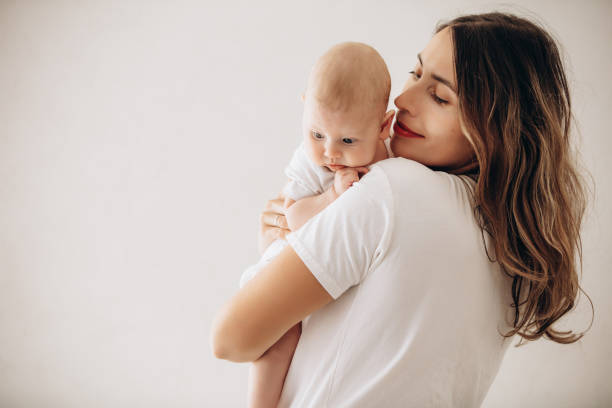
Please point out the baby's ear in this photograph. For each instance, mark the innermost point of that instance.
(385, 126)
(302, 96)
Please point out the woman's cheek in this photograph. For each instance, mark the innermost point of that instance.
(444, 136)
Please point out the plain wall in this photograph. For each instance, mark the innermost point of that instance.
(139, 142)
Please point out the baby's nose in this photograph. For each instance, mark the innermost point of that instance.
(332, 152)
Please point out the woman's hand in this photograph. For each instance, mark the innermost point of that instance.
(272, 223)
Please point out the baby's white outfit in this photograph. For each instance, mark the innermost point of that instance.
(305, 179)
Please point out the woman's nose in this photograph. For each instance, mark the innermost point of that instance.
(406, 100)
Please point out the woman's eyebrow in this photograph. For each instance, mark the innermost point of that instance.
(437, 77)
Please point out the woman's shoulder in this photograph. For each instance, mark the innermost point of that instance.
(406, 171)
(414, 181)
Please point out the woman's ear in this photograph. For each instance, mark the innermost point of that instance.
(385, 126)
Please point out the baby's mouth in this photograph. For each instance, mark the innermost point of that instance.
(335, 167)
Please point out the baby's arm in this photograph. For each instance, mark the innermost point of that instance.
(299, 212)
(302, 210)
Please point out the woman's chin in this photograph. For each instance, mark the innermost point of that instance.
(401, 147)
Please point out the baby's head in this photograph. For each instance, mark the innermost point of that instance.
(345, 103)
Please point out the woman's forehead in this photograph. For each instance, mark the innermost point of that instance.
(437, 57)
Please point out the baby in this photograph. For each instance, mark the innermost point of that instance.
(346, 128)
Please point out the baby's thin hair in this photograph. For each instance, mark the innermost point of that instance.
(350, 75)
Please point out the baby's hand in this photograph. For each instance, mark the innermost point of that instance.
(344, 178)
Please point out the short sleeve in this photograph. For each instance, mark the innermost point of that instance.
(305, 178)
(341, 244)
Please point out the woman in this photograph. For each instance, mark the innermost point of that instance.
(410, 286)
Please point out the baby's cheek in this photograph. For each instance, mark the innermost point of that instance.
(355, 159)
(367, 155)
(313, 153)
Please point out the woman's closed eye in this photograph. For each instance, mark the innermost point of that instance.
(435, 97)
(438, 100)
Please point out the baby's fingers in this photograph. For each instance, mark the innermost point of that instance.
(362, 170)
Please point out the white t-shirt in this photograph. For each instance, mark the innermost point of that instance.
(418, 305)
(305, 179)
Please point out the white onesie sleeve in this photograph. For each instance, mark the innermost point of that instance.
(343, 242)
(305, 177)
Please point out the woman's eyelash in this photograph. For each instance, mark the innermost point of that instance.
(414, 74)
(438, 100)
(435, 97)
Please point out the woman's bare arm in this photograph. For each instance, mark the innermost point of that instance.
(282, 294)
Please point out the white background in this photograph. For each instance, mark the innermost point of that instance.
(138, 143)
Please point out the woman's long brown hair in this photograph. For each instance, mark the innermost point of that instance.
(530, 196)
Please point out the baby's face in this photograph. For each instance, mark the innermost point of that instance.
(337, 139)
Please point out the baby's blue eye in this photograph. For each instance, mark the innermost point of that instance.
(346, 140)
(317, 135)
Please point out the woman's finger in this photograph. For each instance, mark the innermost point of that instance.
(273, 219)
(272, 223)
(275, 206)
(268, 234)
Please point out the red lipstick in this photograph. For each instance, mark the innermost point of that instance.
(402, 130)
